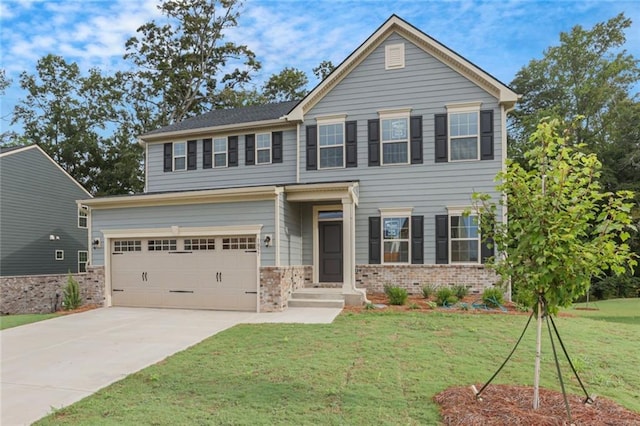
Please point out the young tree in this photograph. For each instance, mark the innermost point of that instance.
(563, 229)
(183, 66)
(323, 70)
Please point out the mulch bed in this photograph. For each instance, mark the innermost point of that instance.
(80, 309)
(506, 404)
(512, 405)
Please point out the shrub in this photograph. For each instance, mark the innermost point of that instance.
(396, 295)
(492, 297)
(414, 305)
(432, 305)
(369, 306)
(445, 296)
(460, 291)
(71, 297)
(429, 290)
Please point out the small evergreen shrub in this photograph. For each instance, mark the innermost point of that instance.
(492, 297)
(460, 291)
(71, 297)
(428, 290)
(396, 295)
(445, 296)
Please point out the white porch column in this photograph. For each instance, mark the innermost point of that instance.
(349, 245)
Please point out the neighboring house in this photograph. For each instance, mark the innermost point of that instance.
(361, 184)
(41, 229)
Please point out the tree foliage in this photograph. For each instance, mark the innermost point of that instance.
(563, 229)
(288, 85)
(182, 67)
(323, 70)
(587, 74)
(68, 114)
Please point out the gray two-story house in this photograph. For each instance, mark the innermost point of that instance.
(42, 231)
(361, 184)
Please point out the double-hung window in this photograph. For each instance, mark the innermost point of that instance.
(395, 137)
(83, 258)
(396, 235)
(220, 152)
(464, 243)
(464, 125)
(82, 218)
(330, 144)
(179, 156)
(263, 148)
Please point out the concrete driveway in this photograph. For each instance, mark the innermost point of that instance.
(54, 363)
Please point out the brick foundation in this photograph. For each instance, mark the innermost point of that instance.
(277, 284)
(40, 294)
(373, 278)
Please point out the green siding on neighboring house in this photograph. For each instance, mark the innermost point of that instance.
(37, 200)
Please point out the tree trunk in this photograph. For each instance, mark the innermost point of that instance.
(536, 374)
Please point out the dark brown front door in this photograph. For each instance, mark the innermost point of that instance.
(330, 251)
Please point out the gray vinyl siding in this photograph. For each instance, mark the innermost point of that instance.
(425, 85)
(37, 200)
(194, 215)
(290, 233)
(223, 177)
(307, 233)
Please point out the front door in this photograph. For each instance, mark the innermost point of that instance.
(330, 233)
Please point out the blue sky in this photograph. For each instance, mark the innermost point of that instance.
(499, 36)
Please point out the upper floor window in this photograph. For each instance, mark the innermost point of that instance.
(395, 138)
(179, 156)
(220, 152)
(263, 148)
(464, 244)
(463, 136)
(82, 218)
(331, 144)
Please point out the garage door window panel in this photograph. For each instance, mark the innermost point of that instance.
(239, 243)
(162, 245)
(127, 245)
(200, 244)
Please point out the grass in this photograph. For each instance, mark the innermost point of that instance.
(626, 311)
(370, 368)
(9, 321)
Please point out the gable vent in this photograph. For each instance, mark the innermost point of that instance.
(394, 56)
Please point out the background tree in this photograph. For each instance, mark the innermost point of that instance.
(71, 116)
(563, 228)
(588, 74)
(288, 85)
(182, 67)
(323, 70)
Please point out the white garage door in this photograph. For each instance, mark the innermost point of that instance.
(199, 273)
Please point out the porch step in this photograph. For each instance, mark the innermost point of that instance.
(317, 298)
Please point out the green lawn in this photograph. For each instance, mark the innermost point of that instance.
(370, 368)
(615, 310)
(8, 321)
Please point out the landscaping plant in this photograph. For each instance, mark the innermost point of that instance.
(429, 290)
(492, 297)
(445, 296)
(396, 295)
(460, 291)
(71, 297)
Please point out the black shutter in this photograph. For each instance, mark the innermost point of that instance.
(417, 240)
(192, 155)
(207, 154)
(486, 135)
(442, 239)
(374, 142)
(312, 148)
(249, 150)
(168, 157)
(232, 151)
(486, 252)
(351, 141)
(441, 138)
(416, 139)
(375, 247)
(276, 147)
